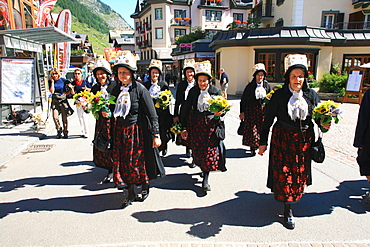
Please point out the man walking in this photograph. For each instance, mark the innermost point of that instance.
(224, 82)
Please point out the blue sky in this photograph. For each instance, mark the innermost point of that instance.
(124, 7)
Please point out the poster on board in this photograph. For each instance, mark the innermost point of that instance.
(354, 81)
(17, 81)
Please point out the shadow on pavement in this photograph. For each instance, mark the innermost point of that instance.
(181, 181)
(82, 204)
(252, 209)
(88, 180)
(234, 153)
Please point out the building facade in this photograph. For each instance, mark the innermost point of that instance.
(327, 32)
(158, 23)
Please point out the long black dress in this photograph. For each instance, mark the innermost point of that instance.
(253, 113)
(289, 159)
(179, 110)
(206, 134)
(164, 117)
(104, 125)
(135, 160)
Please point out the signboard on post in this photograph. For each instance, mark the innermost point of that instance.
(17, 81)
(354, 83)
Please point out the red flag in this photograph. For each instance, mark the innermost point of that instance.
(4, 14)
(44, 18)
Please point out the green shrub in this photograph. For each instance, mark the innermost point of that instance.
(333, 83)
(314, 83)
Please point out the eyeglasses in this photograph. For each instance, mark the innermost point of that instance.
(54, 74)
(77, 73)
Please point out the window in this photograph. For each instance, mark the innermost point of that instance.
(329, 21)
(180, 32)
(367, 21)
(279, 2)
(212, 15)
(273, 59)
(180, 13)
(158, 14)
(159, 33)
(238, 17)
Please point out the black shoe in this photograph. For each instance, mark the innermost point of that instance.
(253, 151)
(83, 136)
(59, 134)
(289, 222)
(107, 179)
(164, 152)
(206, 187)
(126, 203)
(144, 195)
(65, 136)
(188, 152)
(192, 165)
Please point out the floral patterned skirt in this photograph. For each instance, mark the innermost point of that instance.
(289, 163)
(205, 144)
(103, 159)
(128, 156)
(253, 118)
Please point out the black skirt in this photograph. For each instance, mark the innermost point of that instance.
(103, 159)
(253, 118)
(289, 163)
(128, 156)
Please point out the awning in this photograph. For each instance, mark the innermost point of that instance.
(40, 35)
(32, 38)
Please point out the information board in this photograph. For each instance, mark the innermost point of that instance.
(17, 79)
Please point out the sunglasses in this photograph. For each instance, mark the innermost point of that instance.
(55, 74)
(77, 73)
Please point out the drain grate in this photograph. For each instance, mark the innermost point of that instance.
(38, 148)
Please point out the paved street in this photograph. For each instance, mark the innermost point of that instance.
(53, 198)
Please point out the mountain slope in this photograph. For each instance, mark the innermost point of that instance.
(93, 18)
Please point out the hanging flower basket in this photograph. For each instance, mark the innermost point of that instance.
(178, 19)
(218, 1)
(238, 22)
(187, 19)
(245, 22)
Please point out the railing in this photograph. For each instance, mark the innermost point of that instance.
(213, 2)
(178, 21)
(350, 25)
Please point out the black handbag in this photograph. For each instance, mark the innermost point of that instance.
(241, 128)
(318, 151)
(101, 142)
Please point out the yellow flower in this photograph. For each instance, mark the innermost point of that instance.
(157, 105)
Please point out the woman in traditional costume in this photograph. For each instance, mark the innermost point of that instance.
(252, 107)
(104, 84)
(155, 87)
(135, 153)
(292, 136)
(208, 129)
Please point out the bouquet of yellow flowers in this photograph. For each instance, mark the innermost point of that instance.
(266, 100)
(326, 112)
(218, 104)
(176, 128)
(101, 102)
(164, 99)
(84, 99)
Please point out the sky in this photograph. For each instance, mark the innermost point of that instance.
(124, 7)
